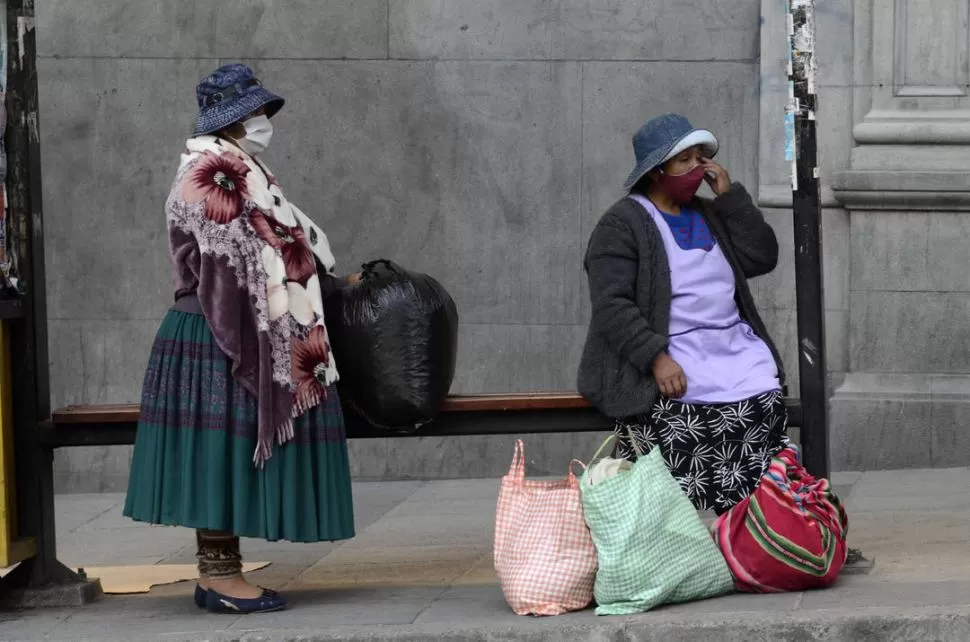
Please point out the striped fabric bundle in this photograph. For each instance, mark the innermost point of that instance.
(789, 535)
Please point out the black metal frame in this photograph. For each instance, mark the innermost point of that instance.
(449, 424)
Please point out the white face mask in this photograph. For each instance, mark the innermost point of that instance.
(259, 132)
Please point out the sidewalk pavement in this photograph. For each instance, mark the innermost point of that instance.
(420, 569)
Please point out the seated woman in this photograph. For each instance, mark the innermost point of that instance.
(676, 352)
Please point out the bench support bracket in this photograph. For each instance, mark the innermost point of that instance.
(42, 580)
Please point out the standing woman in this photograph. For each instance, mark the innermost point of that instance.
(241, 432)
(676, 352)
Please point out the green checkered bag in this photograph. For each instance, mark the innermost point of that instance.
(652, 547)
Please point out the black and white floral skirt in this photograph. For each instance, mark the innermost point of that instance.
(717, 452)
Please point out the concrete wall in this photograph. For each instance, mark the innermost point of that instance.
(475, 140)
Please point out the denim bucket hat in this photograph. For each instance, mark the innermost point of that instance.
(229, 94)
(662, 138)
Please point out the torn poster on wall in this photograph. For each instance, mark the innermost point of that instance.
(790, 105)
(801, 68)
(8, 280)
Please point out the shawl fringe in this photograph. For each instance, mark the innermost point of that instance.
(264, 447)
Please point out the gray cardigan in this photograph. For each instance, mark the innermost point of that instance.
(629, 284)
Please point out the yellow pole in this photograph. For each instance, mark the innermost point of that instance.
(11, 550)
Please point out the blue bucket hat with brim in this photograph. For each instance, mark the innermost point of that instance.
(229, 94)
(662, 138)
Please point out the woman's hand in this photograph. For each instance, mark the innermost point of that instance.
(670, 376)
(716, 176)
(354, 279)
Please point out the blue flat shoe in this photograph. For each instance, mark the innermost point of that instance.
(268, 602)
(201, 595)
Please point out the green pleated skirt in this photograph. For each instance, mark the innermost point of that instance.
(193, 459)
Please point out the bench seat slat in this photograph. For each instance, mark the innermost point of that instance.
(455, 404)
(126, 413)
(518, 401)
(96, 414)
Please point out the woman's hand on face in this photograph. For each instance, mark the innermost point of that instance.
(354, 279)
(716, 176)
(670, 376)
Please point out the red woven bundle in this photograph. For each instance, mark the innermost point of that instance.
(789, 535)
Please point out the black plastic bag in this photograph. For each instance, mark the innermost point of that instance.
(395, 340)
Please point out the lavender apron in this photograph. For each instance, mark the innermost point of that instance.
(719, 437)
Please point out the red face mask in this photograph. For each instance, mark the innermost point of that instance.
(682, 187)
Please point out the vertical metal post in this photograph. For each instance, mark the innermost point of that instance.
(807, 214)
(802, 151)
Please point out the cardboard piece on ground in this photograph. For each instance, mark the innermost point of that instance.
(123, 580)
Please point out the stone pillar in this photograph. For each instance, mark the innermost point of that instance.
(905, 399)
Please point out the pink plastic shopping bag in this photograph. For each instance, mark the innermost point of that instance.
(544, 555)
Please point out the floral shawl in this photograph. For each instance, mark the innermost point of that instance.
(251, 257)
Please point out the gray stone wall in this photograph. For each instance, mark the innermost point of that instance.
(894, 135)
(905, 401)
(476, 140)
